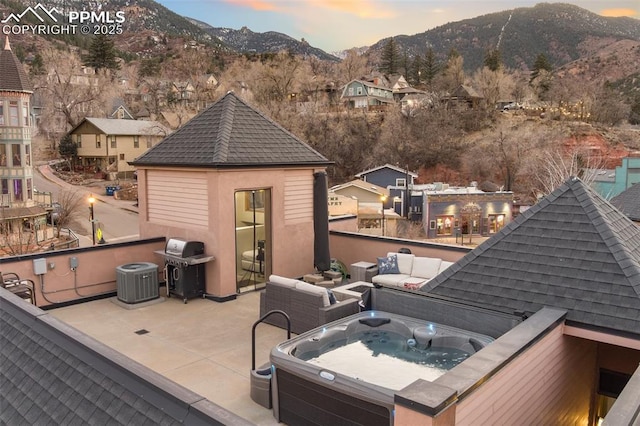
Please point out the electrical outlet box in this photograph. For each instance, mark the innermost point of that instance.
(73, 263)
(40, 266)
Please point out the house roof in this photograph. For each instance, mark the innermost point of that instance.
(53, 374)
(387, 166)
(116, 126)
(572, 250)
(628, 202)
(13, 77)
(230, 133)
(359, 183)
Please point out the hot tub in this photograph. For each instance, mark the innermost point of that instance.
(349, 370)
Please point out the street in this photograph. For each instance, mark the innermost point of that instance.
(117, 224)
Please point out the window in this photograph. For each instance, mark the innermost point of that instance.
(25, 114)
(359, 90)
(29, 190)
(1, 113)
(444, 225)
(17, 189)
(121, 157)
(27, 154)
(15, 154)
(5, 186)
(79, 141)
(3, 156)
(149, 142)
(13, 113)
(98, 141)
(136, 141)
(113, 141)
(350, 91)
(401, 182)
(496, 223)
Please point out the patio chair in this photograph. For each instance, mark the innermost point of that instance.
(23, 288)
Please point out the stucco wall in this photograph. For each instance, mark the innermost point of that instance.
(551, 383)
(351, 247)
(291, 230)
(96, 272)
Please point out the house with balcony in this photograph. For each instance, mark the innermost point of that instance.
(23, 224)
(109, 144)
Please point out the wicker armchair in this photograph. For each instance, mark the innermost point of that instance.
(23, 288)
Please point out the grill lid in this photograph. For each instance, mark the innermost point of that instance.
(183, 253)
(181, 248)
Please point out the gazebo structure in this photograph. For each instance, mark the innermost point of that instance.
(242, 184)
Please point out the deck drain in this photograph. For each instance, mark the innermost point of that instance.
(142, 331)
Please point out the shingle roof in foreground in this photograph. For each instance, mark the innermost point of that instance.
(231, 133)
(573, 250)
(52, 374)
(628, 202)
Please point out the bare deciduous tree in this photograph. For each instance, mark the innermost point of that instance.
(72, 203)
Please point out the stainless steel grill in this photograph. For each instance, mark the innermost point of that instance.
(184, 268)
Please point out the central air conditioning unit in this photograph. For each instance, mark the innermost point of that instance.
(137, 282)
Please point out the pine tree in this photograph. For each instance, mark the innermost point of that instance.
(541, 64)
(430, 67)
(493, 60)
(390, 58)
(415, 77)
(68, 149)
(102, 54)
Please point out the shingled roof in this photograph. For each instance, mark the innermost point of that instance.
(13, 77)
(53, 374)
(231, 133)
(573, 250)
(628, 202)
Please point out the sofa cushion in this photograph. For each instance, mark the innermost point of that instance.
(405, 262)
(390, 279)
(301, 285)
(289, 282)
(388, 265)
(444, 265)
(425, 267)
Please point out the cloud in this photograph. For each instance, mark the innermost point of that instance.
(619, 12)
(364, 9)
(260, 5)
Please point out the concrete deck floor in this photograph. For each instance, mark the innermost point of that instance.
(203, 345)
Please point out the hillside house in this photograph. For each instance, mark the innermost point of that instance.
(108, 144)
(363, 94)
(463, 96)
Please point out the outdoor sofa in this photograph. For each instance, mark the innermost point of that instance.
(307, 305)
(407, 270)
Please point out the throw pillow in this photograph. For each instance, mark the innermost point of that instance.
(332, 297)
(388, 265)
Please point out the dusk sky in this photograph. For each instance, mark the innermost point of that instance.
(334, 25)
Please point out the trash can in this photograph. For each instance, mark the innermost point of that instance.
(112, 189)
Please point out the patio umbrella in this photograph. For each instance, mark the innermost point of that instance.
(321, 257)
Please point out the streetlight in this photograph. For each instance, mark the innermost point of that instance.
(93, 223)
(383, 198)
